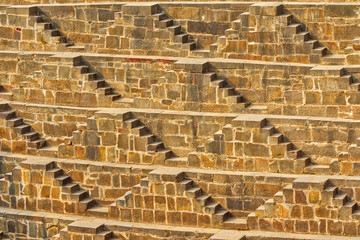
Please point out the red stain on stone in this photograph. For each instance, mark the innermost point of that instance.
(139, 60)
(165, 61)
(18, 29)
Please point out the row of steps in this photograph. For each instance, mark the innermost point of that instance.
(274, 138)
(220, 216)
(53, 35)
(332, 197)
(163, 22)
(225, 90)
(76, 193)
(153, 144)
(20, 127)
(93, 83)
(296, 32)
(295, 154)
(72, 191)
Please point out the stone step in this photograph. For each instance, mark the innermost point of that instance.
(48, 151)
(4, 107)
(62, 180)
(14, 122)
(85, 227)
(54, 32)
(322, 51)
(333, 59)
(295, 28)
(349, 207)
(81, 69)
(317, 169)
(276, 138)
(175, 30)
(10, 114)
(86, 203)
(31, 136)
(71, 188)
(99, 211)
(165, 154)
(177, 162)
(270, 130)
(181, 38)
(165, 23)
(235, 223)
(194, 192)
(187, 183)
(105, 90)
(149, 138)
(311, 44)
(219, 83)
(155, 146)
(293, 154)
(139, 131)
(114, 96)
(122, 103)
(212, 208)
(132, 123)
(159, 16)
(227, 91)
(76, 48)
(144, 182)
(204, 200)
(58, 39)
(22, 129)
(355, 87)
(8, 96)
(201, 53)
(44, 25)
(89, 76)
(340, 199)
(302, 36)
(37, 144)
(95, 84)
(79, 195)
(105, 235)
(189, 45)
(221, 216)
(55, 172)
(356, 215)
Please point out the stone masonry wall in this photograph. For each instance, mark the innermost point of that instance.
(101, 33)
(323, 140)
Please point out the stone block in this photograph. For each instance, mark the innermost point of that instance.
(23, 11)
(140, 9)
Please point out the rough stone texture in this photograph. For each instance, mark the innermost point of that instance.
(230, 120)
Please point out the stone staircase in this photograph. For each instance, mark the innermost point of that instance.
(149, 142)
(293, 31)
(92, 82)
(177, 35)
(71, 191)
(209, 206)
(191, 198)
(319, 192)
(284, 155)
(226, 94)
(17, 124)
(52, 35)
